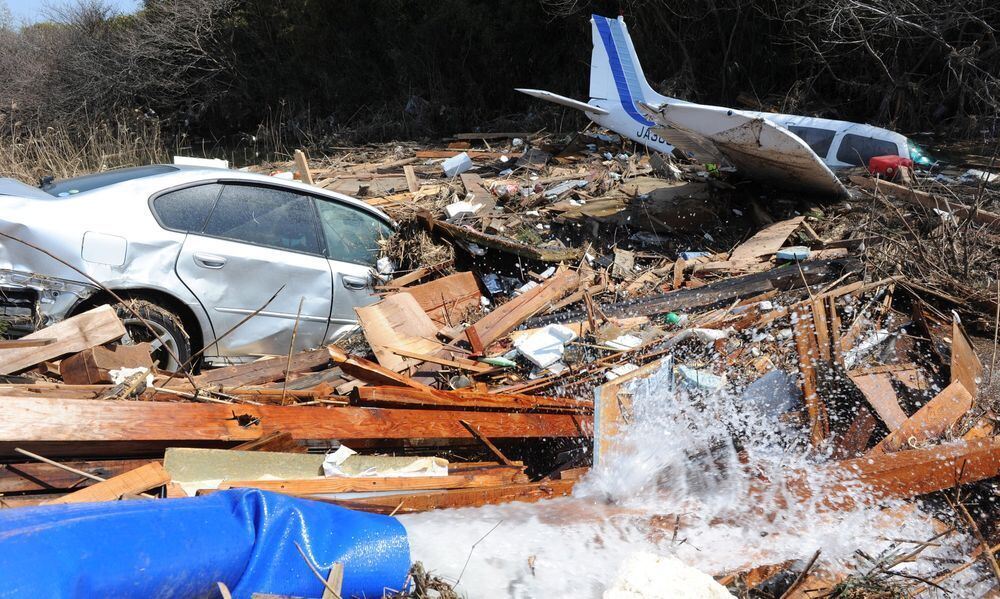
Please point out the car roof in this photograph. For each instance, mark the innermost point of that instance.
(144, 181)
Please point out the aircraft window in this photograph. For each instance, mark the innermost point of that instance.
(817, 139)
(858, 150)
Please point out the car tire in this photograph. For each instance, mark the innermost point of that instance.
(169, 333)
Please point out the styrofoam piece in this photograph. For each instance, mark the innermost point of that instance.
(795, 253)
(458, 208)
(456, 165)
(207, 162)
(545, 347)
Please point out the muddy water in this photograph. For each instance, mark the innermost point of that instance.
(676, 485)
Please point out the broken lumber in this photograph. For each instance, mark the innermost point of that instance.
(464, 400)
(92, 365)
(410, 503)
(503, 244)
(370, 372)
(91, 427)
(931, 421)
(717, 293)
(75, 334)
(509, 316)
(965, 365)
(488, 477)
(765, 242)
(922, 198)
(34, 477)
(877, 389)
(141, 479)
(261, 371)
(447, 300)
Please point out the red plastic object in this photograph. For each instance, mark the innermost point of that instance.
(887, 166)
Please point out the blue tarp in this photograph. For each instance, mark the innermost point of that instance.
(182, 547)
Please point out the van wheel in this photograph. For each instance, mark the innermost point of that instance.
(166, 337)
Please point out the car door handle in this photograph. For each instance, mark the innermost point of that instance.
(355, 282)
(209, 261)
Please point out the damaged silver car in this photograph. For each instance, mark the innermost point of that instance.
(195, 251)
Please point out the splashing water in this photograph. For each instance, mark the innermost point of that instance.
(674, 484)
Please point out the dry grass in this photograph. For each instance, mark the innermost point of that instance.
(28, 152)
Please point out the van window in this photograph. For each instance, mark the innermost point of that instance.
(857, 150)
(817, 139)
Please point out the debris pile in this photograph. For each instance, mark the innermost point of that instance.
(536, 286)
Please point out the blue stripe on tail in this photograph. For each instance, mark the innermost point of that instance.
(626, 79)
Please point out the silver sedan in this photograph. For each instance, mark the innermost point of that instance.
(194, 251)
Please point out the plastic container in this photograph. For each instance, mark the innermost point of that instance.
(887, 166)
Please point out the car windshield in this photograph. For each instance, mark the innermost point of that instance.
(68, 187)
(918, 155)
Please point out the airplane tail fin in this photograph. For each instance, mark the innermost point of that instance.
(616, 77)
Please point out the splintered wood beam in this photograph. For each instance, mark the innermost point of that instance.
(370, 372)
(965, 365)
(89, 426)
(922, 198)
(259, 372)
(489, 477)
(465, 400)
(489, 444)
(34, 477)
(77, 333)
(905, 474)
(931, 421)
(421, 502)
(805, 344)
(141, 479)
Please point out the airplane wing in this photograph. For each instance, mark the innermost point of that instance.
(760, 149)
(561, 100)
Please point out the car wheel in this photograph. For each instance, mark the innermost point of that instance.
(168, 340)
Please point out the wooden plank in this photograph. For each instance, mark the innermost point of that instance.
(302, 167)
(931, 421)
(398, 321)
(421, 502)
(473, 184)
(453, 363)
(473, 154)
(903, 474)
(261, 371)
(34, 476)
(922, 198)
(855, 439)
(805, 345)
(432, 398)
(503, 244)
(370, 372)
(19, 343)
(965, 365)
(822, 329)
(278, 441)
(141, 479)
(613, 409)
(93, 365)
(678, 280)
(77, 333)
(457, 478)
(412, 183)
(509, 316)
(75, 425)
(877, 389)
(765, 242)
(489, 444)
(447, 300)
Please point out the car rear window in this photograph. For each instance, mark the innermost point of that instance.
(857, 150)
(68, 187)
(186, 209)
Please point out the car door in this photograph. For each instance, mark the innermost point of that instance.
(260, 241)
(352, 247)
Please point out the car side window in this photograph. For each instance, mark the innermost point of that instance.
(816, 138)
(186, 209)
(266, 216)
(858, 150)
(351, 235)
